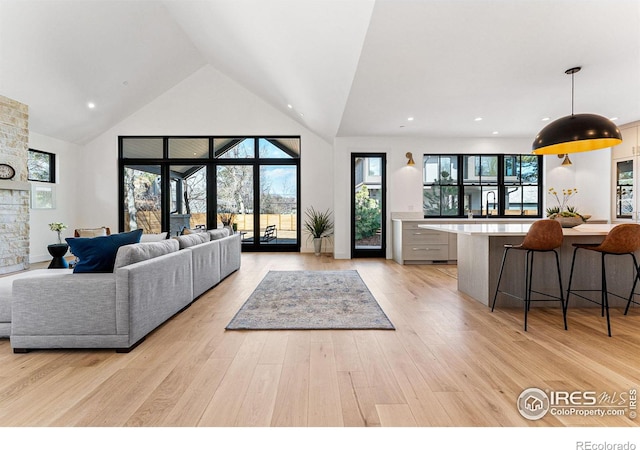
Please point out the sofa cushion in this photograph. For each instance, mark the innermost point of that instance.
(6, 294)
(190, 240)
(5, 298)
(98, 254)
(154, 237)
(133, 253)
(6, 287)
(218, 233)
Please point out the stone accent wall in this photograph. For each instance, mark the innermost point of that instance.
(14, 195)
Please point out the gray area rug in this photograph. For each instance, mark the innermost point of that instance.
(311, 300)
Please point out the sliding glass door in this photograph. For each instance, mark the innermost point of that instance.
(235, 198)
(251, 184)
(278, 204)
(142, 206)
(188, 198)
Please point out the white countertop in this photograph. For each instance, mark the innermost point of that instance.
(516, 229)
(463, 220)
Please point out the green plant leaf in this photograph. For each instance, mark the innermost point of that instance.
(317, 223)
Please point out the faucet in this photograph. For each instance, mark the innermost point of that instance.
(494, 201)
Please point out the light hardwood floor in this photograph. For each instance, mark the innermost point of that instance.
(450, 362)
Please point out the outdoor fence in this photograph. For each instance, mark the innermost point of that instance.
(149, 221)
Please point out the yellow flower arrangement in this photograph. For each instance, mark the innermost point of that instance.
(563, 209)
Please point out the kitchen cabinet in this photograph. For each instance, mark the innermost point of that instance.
(412, 245)
(625, 166)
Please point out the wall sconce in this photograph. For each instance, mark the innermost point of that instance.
(409, 157)
(567, 161)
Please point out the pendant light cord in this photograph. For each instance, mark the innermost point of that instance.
(572, 90)
(572, 72)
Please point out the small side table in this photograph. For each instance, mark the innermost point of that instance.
(58, 251)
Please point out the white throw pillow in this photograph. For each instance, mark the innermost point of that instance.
(154, 237)
(92, 232)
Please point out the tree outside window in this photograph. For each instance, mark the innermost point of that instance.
(41, 166)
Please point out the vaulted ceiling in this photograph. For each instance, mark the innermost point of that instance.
(339, 67)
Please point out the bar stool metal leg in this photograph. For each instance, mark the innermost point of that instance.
(635, 283)
(527, 282)
(562, 300)
(623, 239)
(573, 261)
(605, 296)
(495, 296)
(543, 236)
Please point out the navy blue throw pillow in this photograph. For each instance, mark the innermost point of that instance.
(98, 254)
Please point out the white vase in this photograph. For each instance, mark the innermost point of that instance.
(317, 246)
(570, 222)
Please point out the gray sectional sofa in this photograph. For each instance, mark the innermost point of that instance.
(151, 282)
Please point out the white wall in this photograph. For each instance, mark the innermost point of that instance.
(209, 103)
(66, 206)
(206, 103)
(590, 173)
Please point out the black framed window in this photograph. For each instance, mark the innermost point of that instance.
(480, 184)
(250, 183)
(41, 166)
(484, 185)
(521, 186)
(624, 189)
(441, 190)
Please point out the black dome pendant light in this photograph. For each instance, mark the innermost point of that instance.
(577, 132)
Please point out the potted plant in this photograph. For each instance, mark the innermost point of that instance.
(567, 215)
(319, 225)
(58, 227)
(57, 251)
(228, 220)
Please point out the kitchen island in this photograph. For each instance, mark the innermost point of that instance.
(480, 248)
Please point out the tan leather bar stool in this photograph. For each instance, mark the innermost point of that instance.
(623, 239)
(544, 236)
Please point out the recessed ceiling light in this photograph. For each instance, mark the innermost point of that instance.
(613, 118)
(495, 132)
(301, 115)
(409, 119)
(478, 119)
(544, 119)
(290, 106)
(91, 105)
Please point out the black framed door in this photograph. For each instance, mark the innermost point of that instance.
(368, 205)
